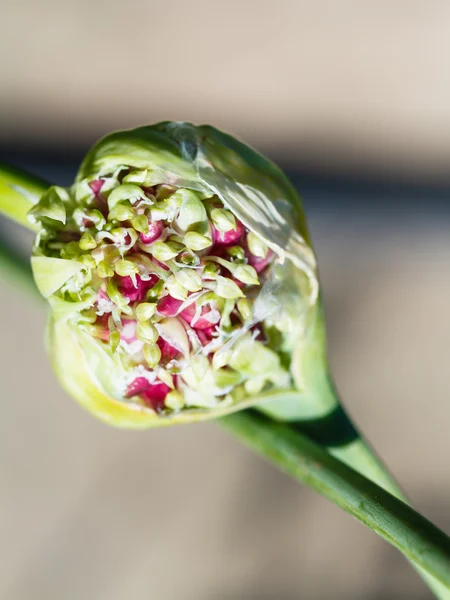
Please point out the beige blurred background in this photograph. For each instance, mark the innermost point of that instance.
(353, 89)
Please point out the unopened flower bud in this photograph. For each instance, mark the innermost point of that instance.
(87, 241)
(192, 212)
(146, 332)
(256, 246)
(223, 219)
(189, 279)
(145, 310)
(162, 251)
(152, 354)
(196, 241)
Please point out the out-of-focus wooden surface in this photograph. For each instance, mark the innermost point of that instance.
(188, 513)
(349, 83)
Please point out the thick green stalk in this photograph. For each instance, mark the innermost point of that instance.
(417, 538)
(318, 413)
(19, 191)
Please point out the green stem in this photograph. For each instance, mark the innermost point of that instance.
(318, 413)
(294, 453)
(19, 191)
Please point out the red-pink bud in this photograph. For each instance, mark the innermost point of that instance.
(155, 229)
(227, 238)
(168, 306)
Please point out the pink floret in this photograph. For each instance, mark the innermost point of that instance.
(137, 386)
(228, 237)
(96, 186)
(168, 306)
(168, 352)
(135, 292)
(203, 322)
(206, 335)
(155, 395)
(155, 229)
(259, 264)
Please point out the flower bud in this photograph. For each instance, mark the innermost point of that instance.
(180, 277)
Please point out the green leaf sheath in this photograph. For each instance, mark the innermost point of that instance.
(417, 538)
(19, 191)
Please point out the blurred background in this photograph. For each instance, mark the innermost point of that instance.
(353, 100)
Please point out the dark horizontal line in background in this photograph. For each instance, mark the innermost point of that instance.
(320, 189)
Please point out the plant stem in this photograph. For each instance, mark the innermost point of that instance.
(335, 431)
(294, 453)
(19, 191)
(318, 412)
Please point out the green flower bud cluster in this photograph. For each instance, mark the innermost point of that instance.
(161, 278)
(173, 267)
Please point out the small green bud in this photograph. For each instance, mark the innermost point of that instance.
(87, 260)
(174, 400)
(227, 288)
(108, 253)
(154, 293)
(121, 212)
(145, 310)
(195, 241)
(116, 297)
(211, 270)
(237, 253)
(126, 191)
(137, 177)
(146, 332)
(224, 378)
(140, 223)
(152, 354)
(87, 241)
(164, 251)
(192, 211)
(245, 307)
(254, 385)
(246, 274)
(89, 315)
(175, 288)
(114, 340)
(51, 206)
(105, 269)
(189, 279)
(70, 251)
(96, 217)
(221, 358)
(223, 219)
(199, 365)
(125, 268)
(189, 259)
(256, 246)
